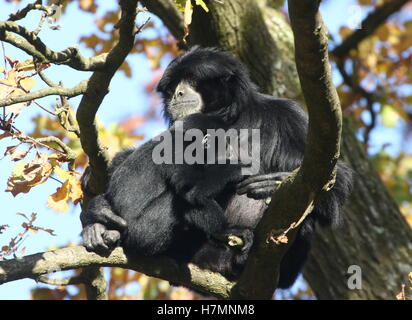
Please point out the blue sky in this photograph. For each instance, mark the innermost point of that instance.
(126, 98)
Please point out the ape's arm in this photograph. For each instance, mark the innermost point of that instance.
(289, 137)
(102, 228)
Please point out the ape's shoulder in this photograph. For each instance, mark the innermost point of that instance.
(282, 109)
(281, 103)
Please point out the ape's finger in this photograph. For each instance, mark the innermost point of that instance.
(260, 193)
(270, 184)
(97, 238)
(111, 237)
(276, 176)
(86, 235)
(110, 220)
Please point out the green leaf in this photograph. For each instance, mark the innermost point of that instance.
(389, 116)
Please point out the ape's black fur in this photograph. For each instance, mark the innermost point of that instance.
(160, 201)
(160, 219)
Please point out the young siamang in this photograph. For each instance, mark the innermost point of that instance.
(159, 218)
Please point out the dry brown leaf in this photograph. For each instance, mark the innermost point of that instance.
(35, 172)
(76, 193)
(10, 150)
(58, 200)
(18, 155)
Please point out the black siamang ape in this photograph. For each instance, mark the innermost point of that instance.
(159, 200)
(149, 207)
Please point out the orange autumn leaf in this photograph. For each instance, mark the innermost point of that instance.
(76, 192)
(27, 175)
(58, 200)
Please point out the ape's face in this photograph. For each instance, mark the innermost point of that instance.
(202, 80)
(183, 101)
(189, 96)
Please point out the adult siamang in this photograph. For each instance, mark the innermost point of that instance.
(194, 217)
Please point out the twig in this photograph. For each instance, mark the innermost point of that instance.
(140, 28)
(69, 153)
(23, 12)
(44, 108)
(38, 29)
(34, 46)
(66, 149)
(4, 57)
(66, 116)
(27, 139)
(45, 79)
(72, 92)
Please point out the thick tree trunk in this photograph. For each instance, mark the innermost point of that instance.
(374, 234)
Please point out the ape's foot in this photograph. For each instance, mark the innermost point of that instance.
(98, 239)
(238, 238)
(261, 186)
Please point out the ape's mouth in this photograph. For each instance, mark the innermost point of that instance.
(189, 102)
(183, 108)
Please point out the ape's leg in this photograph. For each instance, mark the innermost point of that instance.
(261, 186)
(224, 258)
(102, 227)
(207, 214)
(210, 218)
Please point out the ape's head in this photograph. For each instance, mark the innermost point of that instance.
(205, 80)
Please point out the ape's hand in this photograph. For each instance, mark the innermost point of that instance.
(261, 186)
(104, 231)
(98, 239)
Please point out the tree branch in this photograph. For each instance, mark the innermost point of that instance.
(37, 265)
(97, 89)
(168, 13)
(23, 12)
(81, 88)
(294, 199)
(369, 25)
(34, 46)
